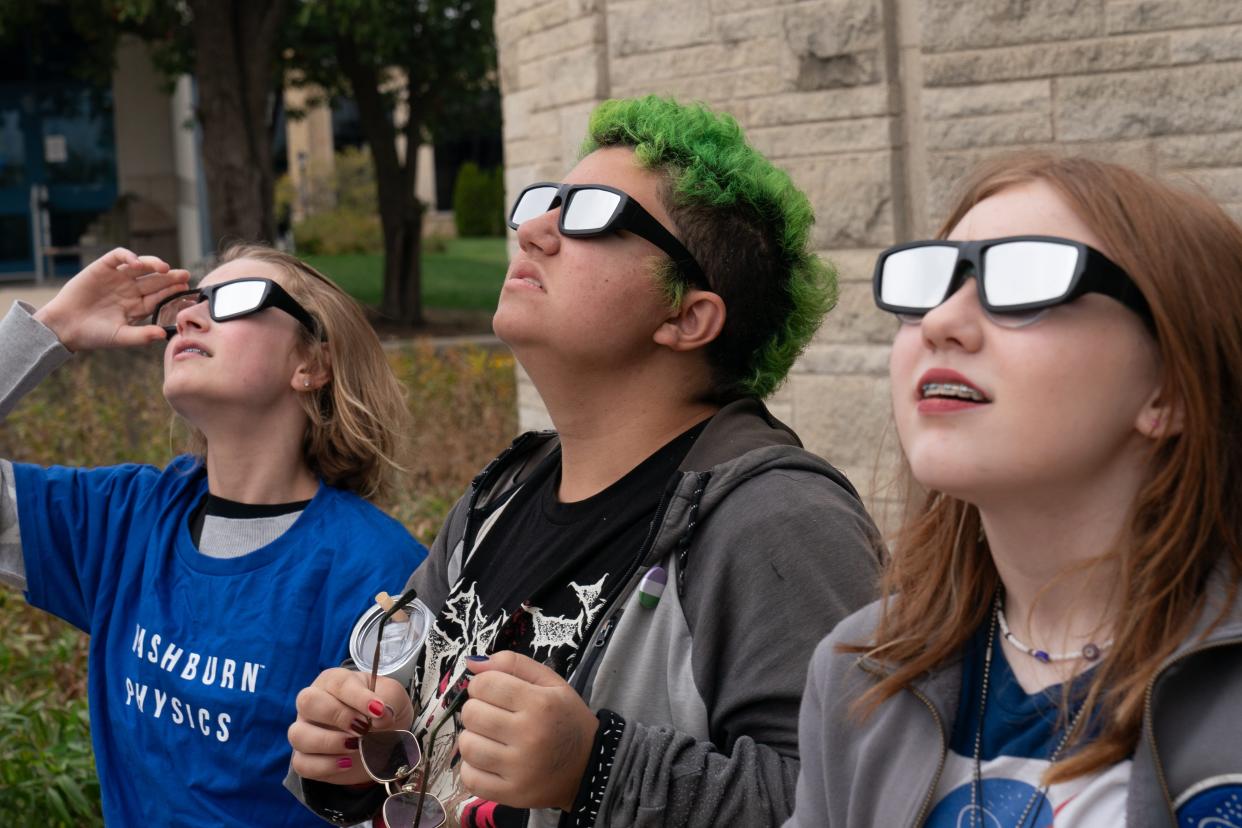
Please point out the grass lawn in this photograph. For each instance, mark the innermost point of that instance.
(465, 276)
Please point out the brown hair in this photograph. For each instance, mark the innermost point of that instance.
(1185, 254)
(358, 421)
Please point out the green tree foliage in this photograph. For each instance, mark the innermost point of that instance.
(479, 201)
(414, 68)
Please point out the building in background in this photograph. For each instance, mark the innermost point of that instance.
(877, 107)
(76, 179)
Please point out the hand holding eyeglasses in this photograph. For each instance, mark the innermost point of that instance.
(99, 307)
(526, 735)
(333, 713)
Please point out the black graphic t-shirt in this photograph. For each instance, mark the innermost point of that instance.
(535, 582)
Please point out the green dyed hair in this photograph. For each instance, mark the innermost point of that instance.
(746, 224)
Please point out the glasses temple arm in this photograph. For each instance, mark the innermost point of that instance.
(646, 225)
(450, 709)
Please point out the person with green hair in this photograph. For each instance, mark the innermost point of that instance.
(632, 599)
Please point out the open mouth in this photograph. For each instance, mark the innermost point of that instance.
(193, 350)
(527, 274)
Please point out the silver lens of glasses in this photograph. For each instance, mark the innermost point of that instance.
(917, 277)
(590, 209)
(1022, 272)
(237, 297)
(534, 202)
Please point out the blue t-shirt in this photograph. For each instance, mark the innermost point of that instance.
(195, 662)
(1020, 731)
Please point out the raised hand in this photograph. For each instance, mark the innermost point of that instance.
(332, 713)
(526, 734)
(101, 306)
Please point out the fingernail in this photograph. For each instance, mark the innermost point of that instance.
(360, 727)
(376, 707)
(477, 659)
(351, 743)
(344, 762)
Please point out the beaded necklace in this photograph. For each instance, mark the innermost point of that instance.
(1090, 651)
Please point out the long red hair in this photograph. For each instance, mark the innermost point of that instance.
(1185, 254)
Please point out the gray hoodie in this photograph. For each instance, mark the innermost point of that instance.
(766, 547)
(883, 770)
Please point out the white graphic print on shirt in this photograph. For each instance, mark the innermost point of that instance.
(464, 627)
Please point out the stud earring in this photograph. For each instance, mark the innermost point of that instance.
(306, 382)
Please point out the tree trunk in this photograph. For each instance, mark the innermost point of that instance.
(401, 214)
(235, 43)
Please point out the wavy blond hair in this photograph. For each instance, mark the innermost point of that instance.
(357, 422)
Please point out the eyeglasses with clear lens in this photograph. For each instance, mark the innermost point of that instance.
(596, 209)
(1018, 277)
(232, 300)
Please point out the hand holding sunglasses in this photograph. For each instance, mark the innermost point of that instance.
(527, 734)
(393, 757)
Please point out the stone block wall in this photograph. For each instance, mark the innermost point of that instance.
(877, 108)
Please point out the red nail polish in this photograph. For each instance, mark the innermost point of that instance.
(376, 707)
(351, 743)
(360, 727)
(344, 762)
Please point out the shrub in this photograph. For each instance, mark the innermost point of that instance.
(46, 764)
(479, 201)
(338, 231)
(342, 207)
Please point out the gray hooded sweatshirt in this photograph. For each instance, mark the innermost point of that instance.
(883, 770)
(766, 547)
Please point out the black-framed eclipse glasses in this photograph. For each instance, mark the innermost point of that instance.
(392, 757)
(596, 209)
(1018, 277)
(232, 300)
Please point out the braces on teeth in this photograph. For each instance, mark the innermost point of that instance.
(951, 389)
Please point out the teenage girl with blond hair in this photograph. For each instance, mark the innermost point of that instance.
(215, 588)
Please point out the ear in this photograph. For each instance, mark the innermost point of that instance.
(695, 323)
(313, 373)
(1160, 417)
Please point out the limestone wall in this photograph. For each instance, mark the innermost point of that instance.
(876, 107)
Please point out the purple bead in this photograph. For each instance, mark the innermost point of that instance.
(1042, 656)
(1090, 652)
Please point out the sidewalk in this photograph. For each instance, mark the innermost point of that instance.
(37, 295)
